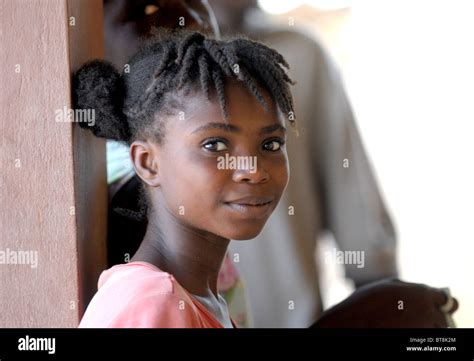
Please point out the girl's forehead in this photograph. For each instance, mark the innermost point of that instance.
(244, 110)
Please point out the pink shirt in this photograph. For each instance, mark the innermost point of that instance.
(139, 295)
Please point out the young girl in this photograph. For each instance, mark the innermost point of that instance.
(205, 122)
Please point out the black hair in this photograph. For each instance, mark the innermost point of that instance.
(169, 66)
(166, 68)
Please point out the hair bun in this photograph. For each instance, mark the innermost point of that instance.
(98, 85)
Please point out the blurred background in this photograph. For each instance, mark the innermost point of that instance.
(408, 70)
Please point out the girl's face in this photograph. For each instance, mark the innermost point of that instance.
(221, 177)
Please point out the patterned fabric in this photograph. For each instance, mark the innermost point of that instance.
(232, 288)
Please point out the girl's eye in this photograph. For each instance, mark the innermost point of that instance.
(273, 145)
(215, 146)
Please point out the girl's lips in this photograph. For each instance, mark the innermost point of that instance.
(258, 210)
(251, 200)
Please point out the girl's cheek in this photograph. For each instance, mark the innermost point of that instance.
(281, 171)
(279, 162)
(207, 163)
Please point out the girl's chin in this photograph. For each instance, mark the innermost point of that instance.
(242, 223)
(244, 233)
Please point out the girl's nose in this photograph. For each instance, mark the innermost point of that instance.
(251, 172)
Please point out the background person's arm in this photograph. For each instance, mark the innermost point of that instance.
(354, 210)
(390, 303)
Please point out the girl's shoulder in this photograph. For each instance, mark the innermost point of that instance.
(138, 294)
(139, 275)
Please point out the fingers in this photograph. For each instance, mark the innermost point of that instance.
(449, 304)
(439, 297)
(449, 307)
(455, 306)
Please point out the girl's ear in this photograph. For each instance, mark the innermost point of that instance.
(144, 156)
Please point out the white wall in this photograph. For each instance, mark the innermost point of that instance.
(410, 76)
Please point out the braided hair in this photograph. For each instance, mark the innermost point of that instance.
(169, 66)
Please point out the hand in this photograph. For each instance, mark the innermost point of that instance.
(388, 304)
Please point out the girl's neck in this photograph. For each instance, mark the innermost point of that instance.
(192, 256)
